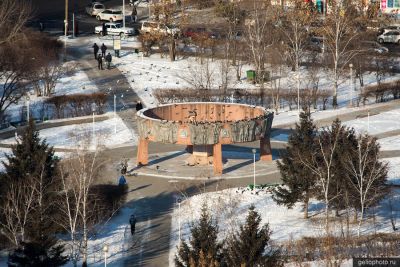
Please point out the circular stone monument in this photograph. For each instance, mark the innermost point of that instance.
(204, 127)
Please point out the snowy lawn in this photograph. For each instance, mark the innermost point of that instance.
(390, 143)
(229, 207)
(75, 135)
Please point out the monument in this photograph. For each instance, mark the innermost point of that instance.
(204, 127)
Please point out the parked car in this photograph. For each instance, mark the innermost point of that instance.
(374, 47)
(115, 29)
(110, 15)
(389, 37)
(95, 8)
(150, 27)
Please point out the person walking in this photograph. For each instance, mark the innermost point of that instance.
(139, 106)
(103, 50)
(108, 60)
(95, 50)
(100, 62)
(134, 14)
(122, 180)
(132, 222)
(104, 28)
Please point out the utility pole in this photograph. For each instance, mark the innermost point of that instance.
(66, 19)
(123, 12)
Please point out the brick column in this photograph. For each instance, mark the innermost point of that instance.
(217, 159)
(143, 152)
(265, 149)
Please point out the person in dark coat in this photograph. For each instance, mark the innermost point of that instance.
(139, 106)
(122, 180)
(132, 222)
(103, 50)
(133, 14)
(100, 62)
(108, 60)
(95, 50)
(104, 29)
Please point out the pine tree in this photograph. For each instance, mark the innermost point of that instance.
(32, 254)
(32, 164)
(203, 242)
(251, 245)
(298, 181)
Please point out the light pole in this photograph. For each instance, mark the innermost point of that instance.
(123, 13)
(93, 129)
(179, 220)
(115, 113)
(105, 250)
(254, 168)
(27, 108)
(351, 84)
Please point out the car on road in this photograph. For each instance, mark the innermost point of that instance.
(110, 15)
(152, 27)
(115, 29)
(95, 8)
(389, 37)
(374, 47)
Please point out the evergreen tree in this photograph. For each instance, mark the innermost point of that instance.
(298, 181)
(250, 246)
(204, 249)
(32, 163)
(32, 254)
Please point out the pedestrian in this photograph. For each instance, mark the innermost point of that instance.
(104, 29)
(103, 50)
(100, 62)
(134, 14)
(139, 106)
(122, 180)
(132, 222)
(41, 26)
(108, 60)
(95, 50)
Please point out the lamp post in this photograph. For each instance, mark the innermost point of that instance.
(254, 168)
(93, 129)
(123, 13)
(351, 84)
(115, 113)
(179, 200)
(105, 250)
(27, 108)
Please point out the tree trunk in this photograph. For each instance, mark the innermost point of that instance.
(305, 203)
(172, 49)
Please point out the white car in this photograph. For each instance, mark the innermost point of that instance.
(95, 8)
(389, 37)
(110, 15)
(150, 26)
(114, 29)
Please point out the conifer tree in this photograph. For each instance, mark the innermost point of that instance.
(32, 164)
(298, 181)
(203, 247)
(32, 254)
(251, 245)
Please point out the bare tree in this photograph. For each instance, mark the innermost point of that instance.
(78, 174)
(366, 174)
(13, 16)
(340, 32)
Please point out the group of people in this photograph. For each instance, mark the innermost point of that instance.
(102, 57)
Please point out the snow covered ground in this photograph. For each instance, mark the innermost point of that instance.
(109, 133)
(229, 207)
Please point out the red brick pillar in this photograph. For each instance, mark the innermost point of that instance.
(143, 152)
(265, 149)
(217, 159)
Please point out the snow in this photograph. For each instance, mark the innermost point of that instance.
(390, 143)
(394, 170)
(229, 207)
(78, 135)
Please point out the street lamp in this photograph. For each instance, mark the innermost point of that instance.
(27, 108)
(105, 250)
(115, 113)
(123, 12)
(254, 167)
(351, 84)
(179, 200)
(93, 129)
